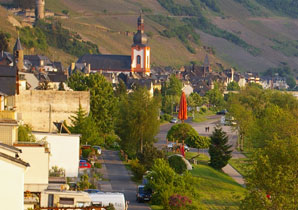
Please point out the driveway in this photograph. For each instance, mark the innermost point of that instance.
(119, 179)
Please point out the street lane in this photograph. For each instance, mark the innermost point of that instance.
(120, 179)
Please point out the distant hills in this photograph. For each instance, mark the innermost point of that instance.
(250, 35)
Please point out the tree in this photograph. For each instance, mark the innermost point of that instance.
(177, 163)
(137, 122)
(4, 41)
(102, 102)
(149, 154)
(216, 98)
(272, 181)
(121, 89)
(219, 151)
(233, 86)
(25, 133)
(174, 86)
(102, 99)
(291, 82)
(171, 92)
(77, 82)
(194, 100)
(165, 182)
(182, 132)
(200, 142)
(85, 125)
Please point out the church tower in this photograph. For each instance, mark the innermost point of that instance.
(39, 9)
(140, 52)
(18, 61)
(207, 67)
(18, 55)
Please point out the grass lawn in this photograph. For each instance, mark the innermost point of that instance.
(201, 117)
(241, 165)
(217, 190)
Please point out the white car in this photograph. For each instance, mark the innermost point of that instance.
(171, 145)
(174, 120)
(98, 149)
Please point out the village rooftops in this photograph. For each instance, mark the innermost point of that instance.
(10, 148)
(107, 62)
(8, 80)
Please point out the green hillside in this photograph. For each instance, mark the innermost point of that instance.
(251, 35)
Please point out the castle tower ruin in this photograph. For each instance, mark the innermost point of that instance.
(39, 9)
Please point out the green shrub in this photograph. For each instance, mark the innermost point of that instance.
(150, 153)
(203, 109)
(137, 169)
(112, 141)
(86, 152)
(97, 165)
(25, 133)
(166, 117)
(176, 162)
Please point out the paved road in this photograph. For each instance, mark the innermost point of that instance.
(119, 179)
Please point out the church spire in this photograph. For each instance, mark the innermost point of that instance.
(140, 38)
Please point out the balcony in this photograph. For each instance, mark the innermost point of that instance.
(8, 115)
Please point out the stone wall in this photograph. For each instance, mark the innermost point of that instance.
(40, 108)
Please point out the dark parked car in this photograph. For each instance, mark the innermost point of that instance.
(143, 194)
(222, 112)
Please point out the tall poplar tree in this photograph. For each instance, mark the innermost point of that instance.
(137, 122)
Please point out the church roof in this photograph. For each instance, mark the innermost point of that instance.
(18, 45)
(107, 62)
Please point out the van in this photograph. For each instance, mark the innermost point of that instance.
(103, 199)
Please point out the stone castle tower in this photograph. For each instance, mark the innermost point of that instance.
(39, 9)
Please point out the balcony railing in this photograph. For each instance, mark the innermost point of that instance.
(8, 115)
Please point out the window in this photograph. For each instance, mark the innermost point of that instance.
(138, 59)
(67, 201)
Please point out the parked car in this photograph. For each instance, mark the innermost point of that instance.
(84, 165)
(83, 161)
(143, 194)
(174, 120)
(98, 149)
(222, 112)
(172, 146)
(90, 191)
